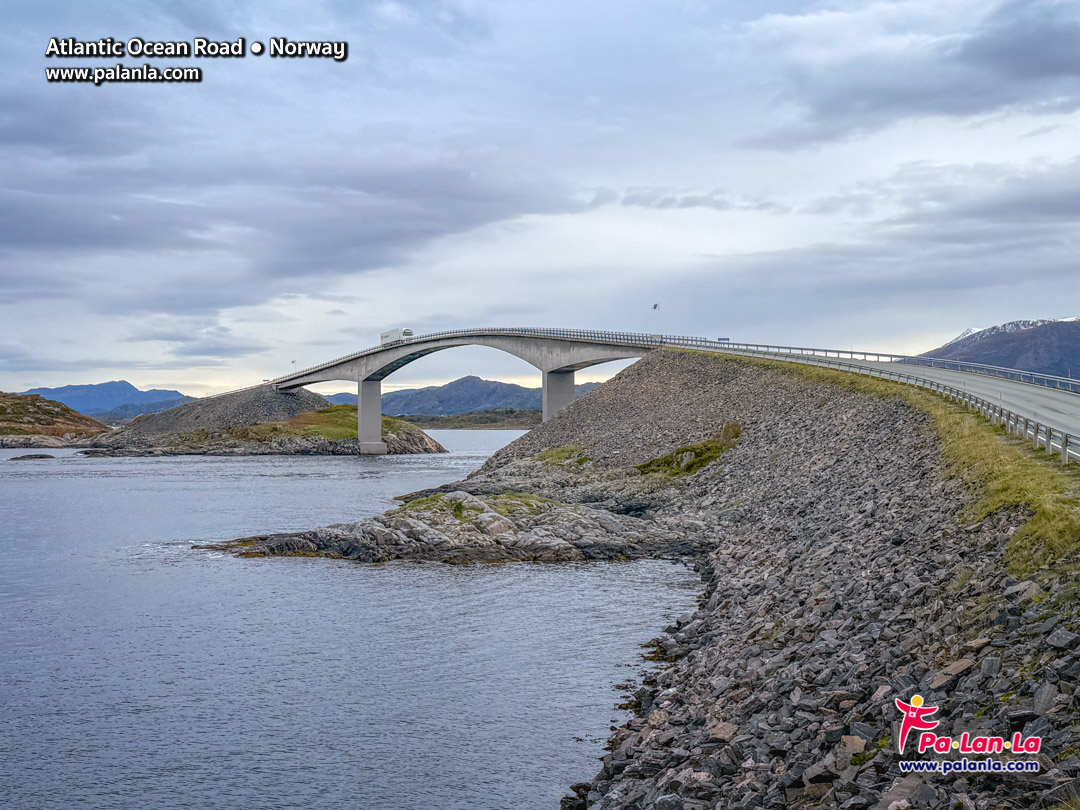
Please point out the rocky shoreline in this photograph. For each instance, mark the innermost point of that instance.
(840, 572)
(40, 441)
(223, 444)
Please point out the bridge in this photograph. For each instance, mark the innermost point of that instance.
(1040, 407)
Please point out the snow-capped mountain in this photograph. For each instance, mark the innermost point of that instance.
(1004, 328)
(1046, 345)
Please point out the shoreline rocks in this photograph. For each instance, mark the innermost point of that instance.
(458, 527)
(42, 441)
(409, 441)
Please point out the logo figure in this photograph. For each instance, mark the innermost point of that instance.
(915, 717)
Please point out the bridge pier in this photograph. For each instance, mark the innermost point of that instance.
(558, 391)
(369, 418)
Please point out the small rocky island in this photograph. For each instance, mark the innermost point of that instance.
(257, 421)
(857, 541)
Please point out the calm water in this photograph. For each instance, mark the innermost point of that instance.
(136, 672)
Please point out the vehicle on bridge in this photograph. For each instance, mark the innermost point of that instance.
(394, 335)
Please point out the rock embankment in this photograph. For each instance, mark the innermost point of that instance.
(839, 570)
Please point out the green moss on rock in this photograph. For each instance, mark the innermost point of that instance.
(693, 457)
(571, 454)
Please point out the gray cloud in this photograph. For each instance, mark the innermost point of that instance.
(1021, 57)
(194, 338)
(566, 164)
(716, 199)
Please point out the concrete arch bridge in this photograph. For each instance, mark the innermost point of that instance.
(1040, 407)
(556, 353)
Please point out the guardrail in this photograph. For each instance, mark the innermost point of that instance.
(1029, 377)
(1042, 435)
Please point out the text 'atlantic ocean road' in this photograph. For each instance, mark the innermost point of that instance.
(199, 48)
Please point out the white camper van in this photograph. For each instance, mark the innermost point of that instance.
(394, 335)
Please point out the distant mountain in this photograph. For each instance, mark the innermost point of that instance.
(104, 397)
(1046, 346)
(467, 395)
(342, 399)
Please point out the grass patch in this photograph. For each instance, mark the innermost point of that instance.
(1004, 473)
(333, 424)
(563, 455)
(463, 512)
(510, 502)
(438, 501)
(426, 503)
(693, 457)
(507, 503)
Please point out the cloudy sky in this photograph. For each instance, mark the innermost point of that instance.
(876, 174)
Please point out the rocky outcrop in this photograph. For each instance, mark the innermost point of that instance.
(839, 573)
(29, 420)
(214, 415)
(458, 527)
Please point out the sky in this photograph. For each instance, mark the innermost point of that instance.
(873, 174)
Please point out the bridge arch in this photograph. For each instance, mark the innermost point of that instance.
(557, 358)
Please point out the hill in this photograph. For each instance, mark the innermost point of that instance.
(24, 417)
(213, 414)
(100, 398)
(257, 421)
(467, 395)
(1049, 347)
(123, 414)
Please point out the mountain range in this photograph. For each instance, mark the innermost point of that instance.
(113, 401)
(467, 395)
(1046, 346)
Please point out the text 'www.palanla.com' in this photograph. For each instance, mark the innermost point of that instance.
(121, 73)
